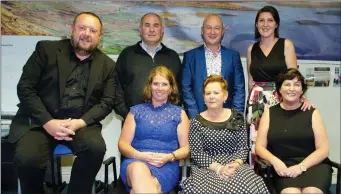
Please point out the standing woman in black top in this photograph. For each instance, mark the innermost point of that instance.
(265, 60)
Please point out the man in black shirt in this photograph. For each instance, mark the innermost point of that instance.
(136, 62)
(67, 87)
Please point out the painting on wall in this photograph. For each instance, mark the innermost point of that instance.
(314, 27)
(318, 76)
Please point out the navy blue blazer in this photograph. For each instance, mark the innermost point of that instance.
(194, 73)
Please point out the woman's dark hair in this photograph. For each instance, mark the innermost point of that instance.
(290, 74)
(273, 11)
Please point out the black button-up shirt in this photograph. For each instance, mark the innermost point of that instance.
(75, 88)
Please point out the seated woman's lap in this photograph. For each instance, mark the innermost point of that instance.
(139, 168)
(305, 190)
(167, 175)
(318, 176)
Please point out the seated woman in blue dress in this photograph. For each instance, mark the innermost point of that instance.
(294, 141)
(154, 137)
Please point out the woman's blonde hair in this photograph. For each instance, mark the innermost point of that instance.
(163, 71)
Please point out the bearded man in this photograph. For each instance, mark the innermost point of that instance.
(66, 88)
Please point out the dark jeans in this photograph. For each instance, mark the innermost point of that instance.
(34, 150)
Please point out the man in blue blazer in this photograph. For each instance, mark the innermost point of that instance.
(211, 58)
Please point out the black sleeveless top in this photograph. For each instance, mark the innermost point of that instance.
(266, 69)
(291, 139)
(290, 133)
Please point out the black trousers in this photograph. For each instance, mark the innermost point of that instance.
(33, 154)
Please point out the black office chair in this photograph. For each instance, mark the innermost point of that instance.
(265, 170)
(118, 187)
(107, 162)
(58, 185)
(56, 176)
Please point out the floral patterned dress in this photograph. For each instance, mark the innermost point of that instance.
(263, 95)
(264, 70)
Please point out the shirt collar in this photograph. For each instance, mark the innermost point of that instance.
(148, 49)
(74, 54)
(208, 49)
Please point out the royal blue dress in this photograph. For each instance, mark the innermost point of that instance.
(156, 131)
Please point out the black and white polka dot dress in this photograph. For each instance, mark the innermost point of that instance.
(221, 142)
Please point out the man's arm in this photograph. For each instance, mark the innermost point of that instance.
(189, 102)
(99, 111)
(120, 106)
(238, 100)
(28, 84)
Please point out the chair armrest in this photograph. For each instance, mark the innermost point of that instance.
(338, 176)
(264, 169)
(335, 164)
(262, 163)
(107, 162)
(185, 166)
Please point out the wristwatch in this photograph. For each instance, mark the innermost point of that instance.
(302, 167)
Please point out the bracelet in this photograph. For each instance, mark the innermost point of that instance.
(240, 163)
(174, 158)
(218, 169)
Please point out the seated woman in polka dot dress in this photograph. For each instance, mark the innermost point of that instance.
(218, 145)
